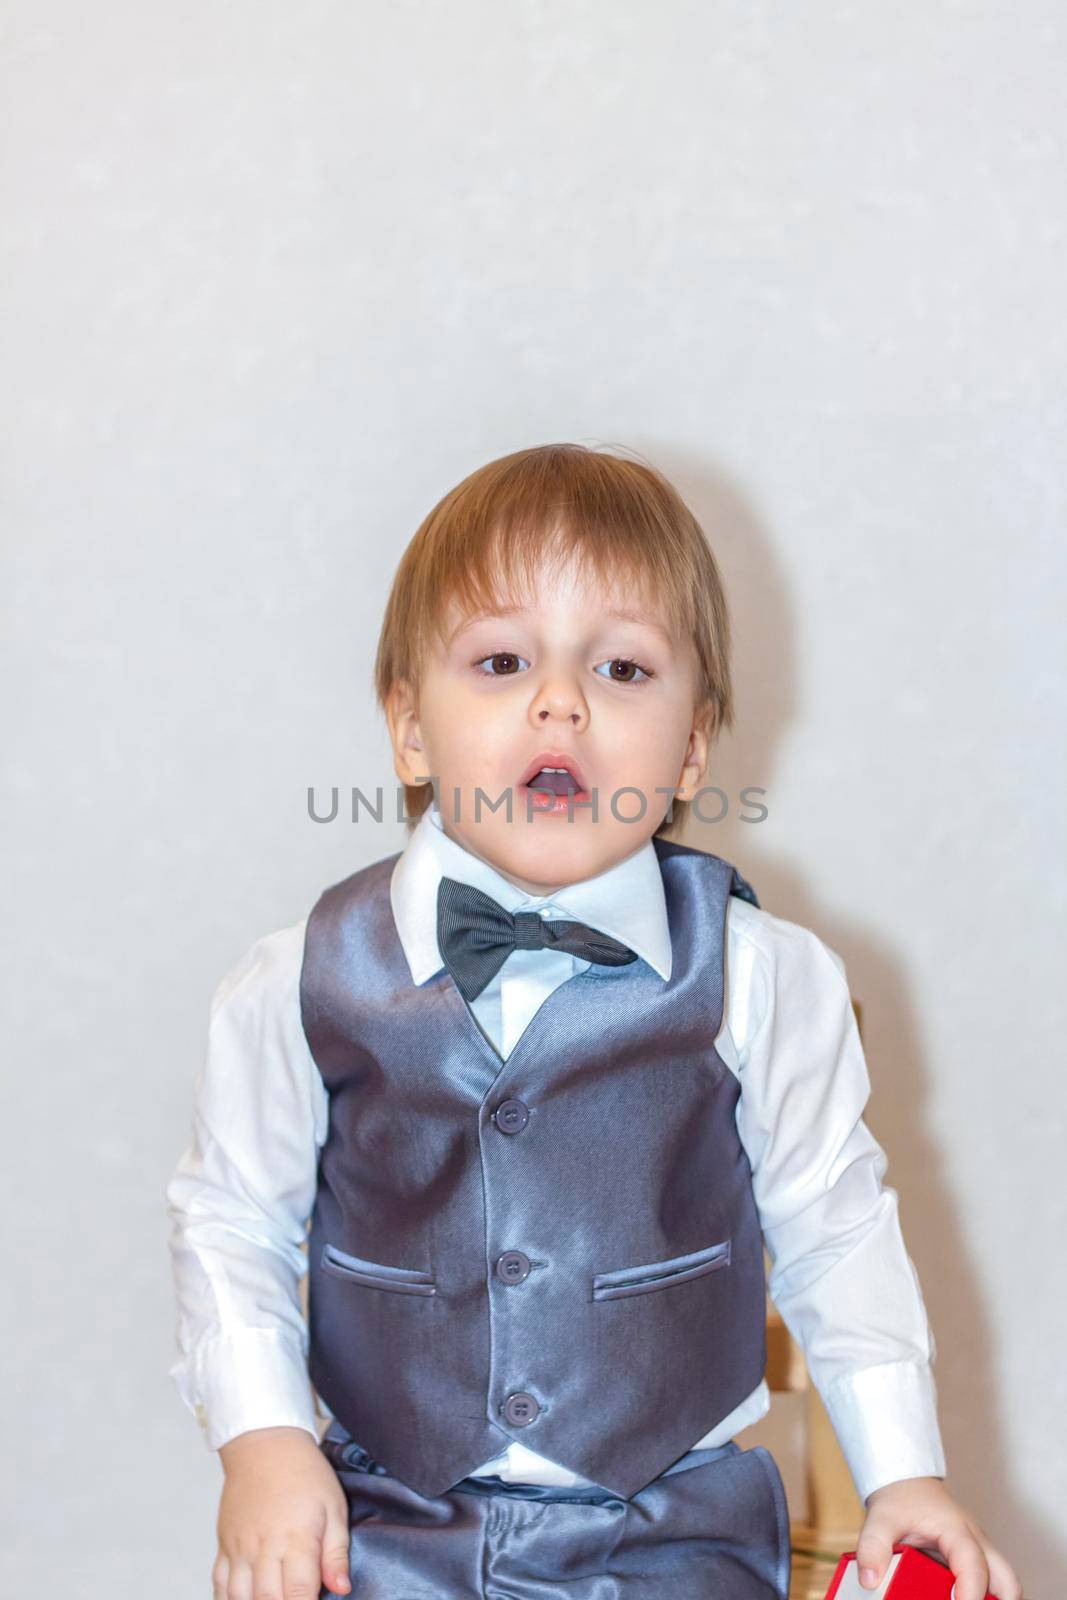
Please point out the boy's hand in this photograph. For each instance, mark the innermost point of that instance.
(920, 1511)
(283, 1520)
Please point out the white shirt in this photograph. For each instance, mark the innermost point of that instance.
(242, 1194)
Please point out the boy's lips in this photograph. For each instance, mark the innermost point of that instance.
(554, 758)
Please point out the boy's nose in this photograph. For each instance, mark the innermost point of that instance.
(560, 699)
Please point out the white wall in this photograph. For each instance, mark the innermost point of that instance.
(279, 275)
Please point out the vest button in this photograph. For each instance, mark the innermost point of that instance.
(511, 1116)
(513, 1266)
(520, 1409)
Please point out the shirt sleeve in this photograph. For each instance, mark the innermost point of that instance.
(841, 1275)
(239, 1202)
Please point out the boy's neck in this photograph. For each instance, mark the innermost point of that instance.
(538, 891)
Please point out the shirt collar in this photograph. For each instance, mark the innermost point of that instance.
(626, 901)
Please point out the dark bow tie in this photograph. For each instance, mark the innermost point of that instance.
(476, 936)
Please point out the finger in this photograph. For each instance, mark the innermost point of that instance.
(267, 1575)
(874, 1549)
(220, 1574)
(335, 1573)
(964, 1555)
(1002, 1580)
(300, 1575)
(239, 1586)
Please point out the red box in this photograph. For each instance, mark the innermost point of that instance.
(911, 1575)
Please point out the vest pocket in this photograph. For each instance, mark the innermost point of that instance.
(373, 1275)
(660, 1274)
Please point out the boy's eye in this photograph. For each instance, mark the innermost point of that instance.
(507, 662)
(628, 666)
(504, 656)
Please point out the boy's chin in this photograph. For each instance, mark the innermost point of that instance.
(552, 850)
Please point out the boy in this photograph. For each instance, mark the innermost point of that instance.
(544, 1083)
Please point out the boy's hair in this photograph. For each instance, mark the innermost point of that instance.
(485, 540)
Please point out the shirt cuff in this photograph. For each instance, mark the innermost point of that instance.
(255, 1378)
(885, 1419)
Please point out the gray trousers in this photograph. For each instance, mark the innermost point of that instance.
(714, 1526)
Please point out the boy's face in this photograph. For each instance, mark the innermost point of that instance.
(550, 679)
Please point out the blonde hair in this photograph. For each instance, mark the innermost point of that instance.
(617, 517)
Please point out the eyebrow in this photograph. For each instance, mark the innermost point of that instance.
(645, 621)
(615, 613)
(481, 616)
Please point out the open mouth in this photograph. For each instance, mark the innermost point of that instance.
(556, 779)
(554, 783)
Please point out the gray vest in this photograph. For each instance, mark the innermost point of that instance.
(561, 1249)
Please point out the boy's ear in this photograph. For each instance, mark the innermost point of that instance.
(401, 714)
(695, 761)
